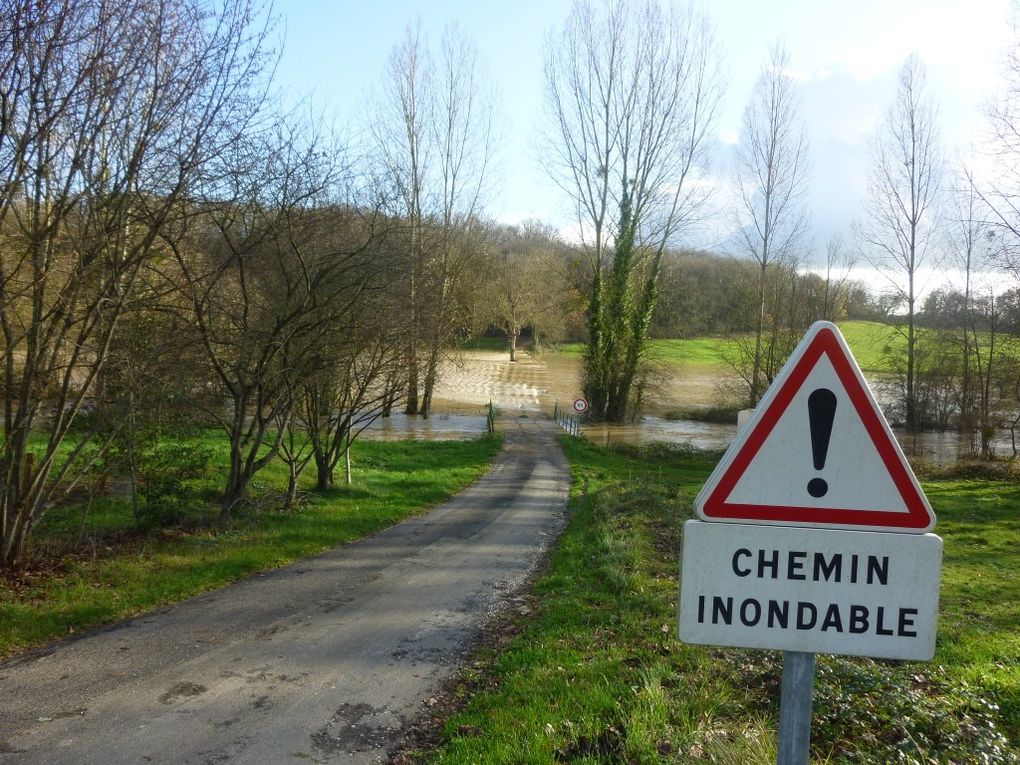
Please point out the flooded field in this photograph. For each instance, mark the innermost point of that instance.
(441, 425)
(470, 379)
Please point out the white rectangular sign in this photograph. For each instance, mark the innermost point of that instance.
(858, 593)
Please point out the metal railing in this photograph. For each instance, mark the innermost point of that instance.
(569, 422)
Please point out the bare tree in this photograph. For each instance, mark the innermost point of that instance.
(772, 174)
(970, 240)
(107, 113)
(631, 94)
(838, 266)
(902, 212)
(280, 252)
(433, 129)
(1001, 190)
(400, 126)
(789, 309)
(524, 284)
(338, 405)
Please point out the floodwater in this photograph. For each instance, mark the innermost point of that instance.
(442, 425)
(469, 380)
(649, 428)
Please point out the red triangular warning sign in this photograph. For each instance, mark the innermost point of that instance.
(818, 452)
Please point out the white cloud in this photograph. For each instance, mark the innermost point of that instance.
(927, 280)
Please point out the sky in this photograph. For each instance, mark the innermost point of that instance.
(846, 57)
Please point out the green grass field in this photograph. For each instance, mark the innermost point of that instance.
(94, 564)
(870, 342)
(597, 674)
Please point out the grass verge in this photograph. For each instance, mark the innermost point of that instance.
(94, 564)
(598, 676)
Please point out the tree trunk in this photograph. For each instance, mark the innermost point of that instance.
(132, 463)
(759, 331)
(389, 399)
(911, 402)
(14, 548)
(237, 483)
(411, 404)
(292, 485)
(966, 407)
(236, 491)
(323, 472)
(430, 380)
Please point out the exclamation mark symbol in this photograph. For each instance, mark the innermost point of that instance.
(821, 406)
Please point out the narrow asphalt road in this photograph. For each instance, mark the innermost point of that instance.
(327, 660)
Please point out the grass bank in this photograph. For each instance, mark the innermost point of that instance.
(598, 676)
(92, 564)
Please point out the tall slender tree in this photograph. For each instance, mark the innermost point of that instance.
(971, 242)
(631, 95)
(901, 217)
(433, 129)
(772, 175)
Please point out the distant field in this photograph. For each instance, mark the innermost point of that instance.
(873, 343)
(869, 341)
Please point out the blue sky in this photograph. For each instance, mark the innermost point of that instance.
(846, 56)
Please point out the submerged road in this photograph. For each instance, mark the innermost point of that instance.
(327, 660)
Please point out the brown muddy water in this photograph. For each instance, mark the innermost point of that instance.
(470, 379)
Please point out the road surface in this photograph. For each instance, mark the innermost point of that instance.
(327, 660)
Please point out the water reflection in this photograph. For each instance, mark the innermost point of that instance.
(941, 448)
(647, 429)
(440, 426)
(944, 448)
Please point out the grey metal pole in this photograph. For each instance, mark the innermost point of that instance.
(795, 707)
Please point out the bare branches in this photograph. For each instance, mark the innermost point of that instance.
(631, 91)
(107, 113)
(903, 199)
(772, 165)
(772, 168)
(905, 184)
(434, 136)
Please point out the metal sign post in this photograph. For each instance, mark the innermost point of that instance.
(795, 703)
(812, 535)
